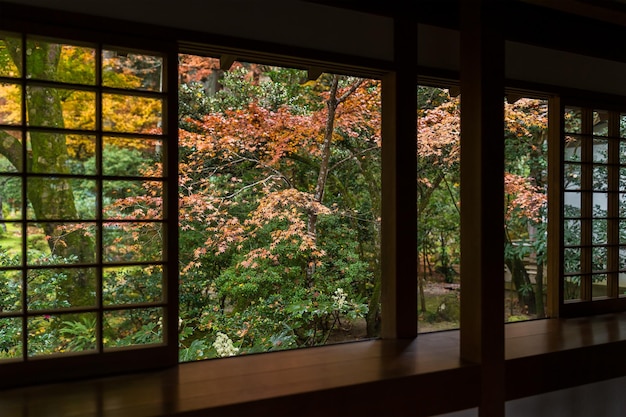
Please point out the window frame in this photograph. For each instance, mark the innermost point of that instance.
(106, 361)
(586, 305)
(397, 324)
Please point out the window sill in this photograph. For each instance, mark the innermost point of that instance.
(376, 377)
(552, 354)
(372, 377)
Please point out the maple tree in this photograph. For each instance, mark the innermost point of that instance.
(526, 143)
(438, 153)
(268, 194)
(438, 181)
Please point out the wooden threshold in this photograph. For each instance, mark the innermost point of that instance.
(418, 377)
(554, 354)
(362, 377)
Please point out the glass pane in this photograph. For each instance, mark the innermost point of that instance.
(599, 285)
(622, 261)
(59, 62)
(133, 327)
(622, 231)
(572, 204)
(62, 198)
(61, 288)
(132, 284)
(126, 113)
(61, 243)
(132, 200)
(10, 104)
(56, 153)
(10, 244)
(600, 204)
(573, 148)
(622, 152)
(599, 234)
(571, 288)
(10, 55)
(132, 242)
(571, 260)
(572, 176)
(598, 258)
(50, 334)
(10, 199)
(622, 204)
(10, 338)
(600, 122)
(132, 70)
(600, 150)
(10, 289)
(573, 119)
(600, 178)
(77, 108)
(132, 157)
(571, 233)
(11, 155)
(622, 179)
(622, 125)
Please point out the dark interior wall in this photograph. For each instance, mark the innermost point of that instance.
(438, 47)
(286, 22)
(324, 28)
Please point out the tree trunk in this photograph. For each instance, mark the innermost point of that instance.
(322, 175)
(2, 224)
(523, 286)
(541, 309)
(51, 197)
(421, 280)
(331, 104)
(373, 312)
(538, 173)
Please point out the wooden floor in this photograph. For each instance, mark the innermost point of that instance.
(377, 377)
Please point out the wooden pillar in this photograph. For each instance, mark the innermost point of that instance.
(555, 201)
(399, 176)
(170, 128)
(482, 197)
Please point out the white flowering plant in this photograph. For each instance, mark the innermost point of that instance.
(224, 346)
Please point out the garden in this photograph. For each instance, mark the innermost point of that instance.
(279, 200)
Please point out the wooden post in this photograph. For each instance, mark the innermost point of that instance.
(555, 201)
(399, 191)
(482, 197)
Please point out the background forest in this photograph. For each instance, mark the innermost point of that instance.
(279, 199)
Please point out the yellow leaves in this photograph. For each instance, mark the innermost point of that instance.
(10, 104)
(525, 115)
(122, 113)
